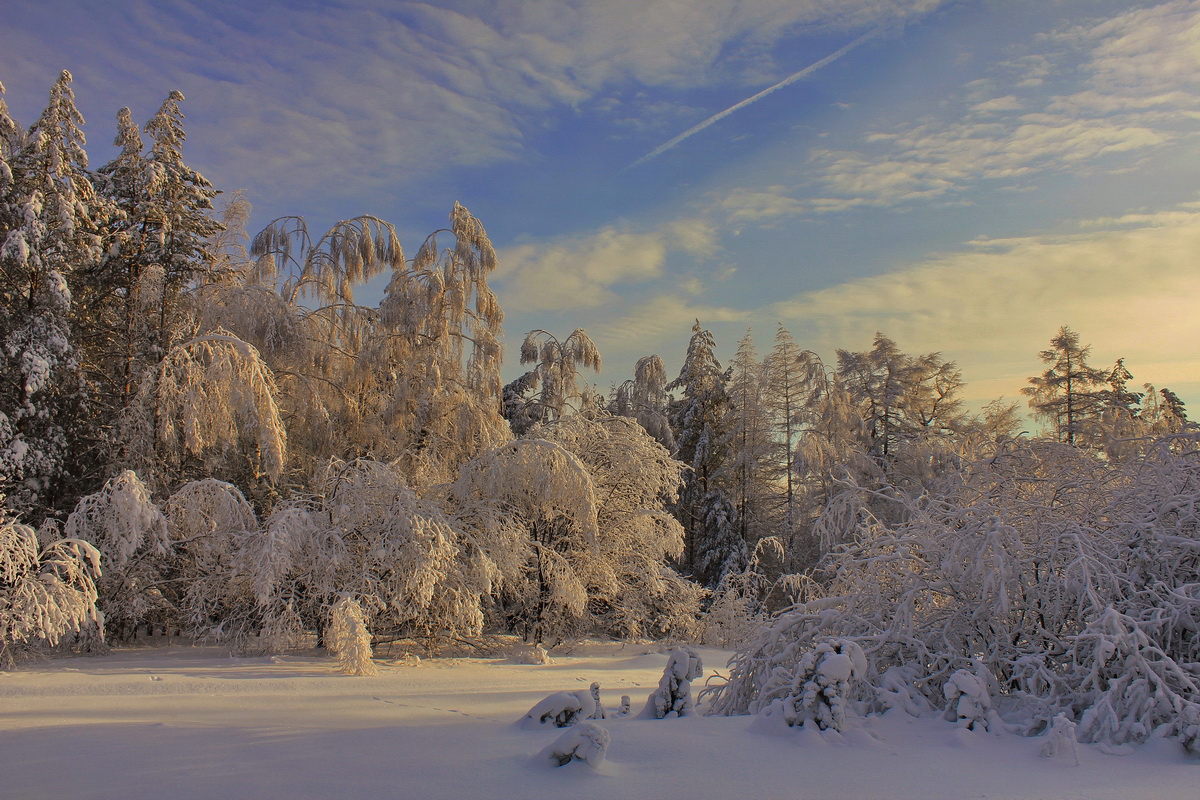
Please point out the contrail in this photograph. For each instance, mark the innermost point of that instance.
(810, 69)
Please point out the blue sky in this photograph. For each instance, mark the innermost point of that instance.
(968, 177)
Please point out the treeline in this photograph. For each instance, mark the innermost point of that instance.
(204, 432)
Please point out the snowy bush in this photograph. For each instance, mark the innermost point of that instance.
(587, 742)
(347, 637)
(46, 593)
(968, 696)
(1061, 739)
(1069, 578)
(673, 697)
(130, 532)
(563, 709)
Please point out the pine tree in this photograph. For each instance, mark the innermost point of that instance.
(136, 301)
(1068, 394)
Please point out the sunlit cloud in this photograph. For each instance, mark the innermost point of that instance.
(581, 271)
(1128, 286)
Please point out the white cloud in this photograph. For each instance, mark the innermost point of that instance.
(1140, 91)
(581, 271)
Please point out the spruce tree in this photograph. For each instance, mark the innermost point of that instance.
(50, 226)
(712, 544)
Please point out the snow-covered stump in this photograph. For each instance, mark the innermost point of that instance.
(350, 639)
(1060, 740)
(673, 697)
(562, 709)
(969, 698)
(587, 742)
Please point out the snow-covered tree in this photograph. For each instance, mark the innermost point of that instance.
(673, 697)
(47, 593)
(633, 590)
(50, 220)
(747, 472)
(130, 532)
(712, 544)
(135, 304)
(554, 380)
(348, 638)
(1069, 393)
(532, 507)
(210, 406)
(645, 399)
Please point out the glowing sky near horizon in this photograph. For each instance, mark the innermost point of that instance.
(968, 180)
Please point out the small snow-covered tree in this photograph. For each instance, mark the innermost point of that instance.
(349, 639)
(563, 709)
(130, 532)
(673, 697)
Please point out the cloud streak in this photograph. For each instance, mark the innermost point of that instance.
(715, 118)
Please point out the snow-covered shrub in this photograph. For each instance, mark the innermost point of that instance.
(1127, 686)
(562, 709)
(968, 696)
(130, 532)
(734, 614)
(633, 592)
(598, 712)
(818, 688)
(1061, 739)
(209, 522)
(587, 742)
(1071, 579)
(46, 593)
(673, 697)
(347, 637)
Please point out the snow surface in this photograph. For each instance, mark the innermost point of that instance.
(191, 722)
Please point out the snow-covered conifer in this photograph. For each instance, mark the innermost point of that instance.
(673, 697)
(712, 541)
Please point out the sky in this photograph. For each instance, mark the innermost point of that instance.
(964, 176)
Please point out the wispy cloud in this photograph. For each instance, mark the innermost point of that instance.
(795, 76)
(1140, 92)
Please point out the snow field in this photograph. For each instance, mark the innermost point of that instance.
(190, 722)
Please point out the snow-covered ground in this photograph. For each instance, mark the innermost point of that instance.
(191, 722)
